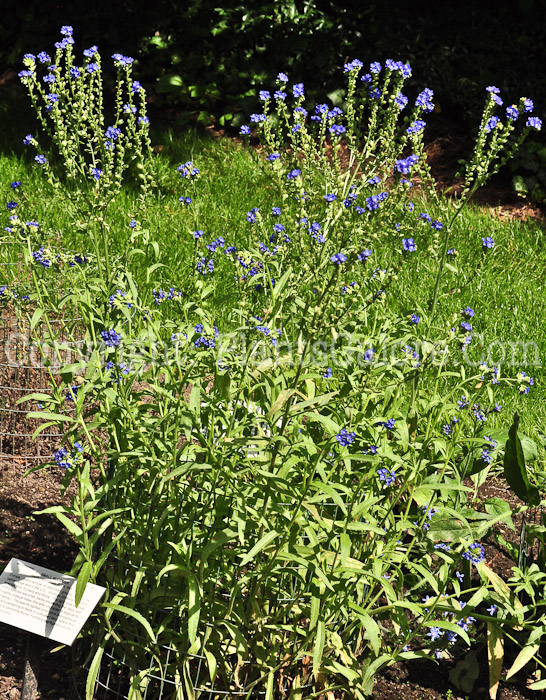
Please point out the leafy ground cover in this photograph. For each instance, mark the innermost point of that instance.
(296, 372)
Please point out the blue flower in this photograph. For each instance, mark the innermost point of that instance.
(256, 118)
(415, 318)
(298, 90)
(264, 95)
(375, 67)
(121, 60)
(112, 133)
(330, 197)
(534, 123)
(491, 124)
(404, 165)
(279, 95)
(293, 174)
(111, 338)
(14, 185)
(245, 130)
(92, 67)
(368, 355)
(468, 311)
(488, 242)
(49, 78)
(434, 633)
(387, 477)
(67, 30)
(96, 172)
(273, 156)
(205, 266)
(388, 424)
(400, 100)
(338, 258)
(424, 100)
(492, 89)
(91, 51)
(408, 244)
(278, 228)
(466, 326)
(512, 113)
(75, 72)
(42, 160)
(492, 610)
(188, 170)
(438, 225)
(197, 234)
(528, 105)
(417, 126)
(25, 74)
(364, 255)
(353, 65)
(344, 438)
(43, 57)
(328, 373)
(475, 553)
(338, 129)
(282, 78)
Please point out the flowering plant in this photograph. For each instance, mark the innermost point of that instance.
(262, 488)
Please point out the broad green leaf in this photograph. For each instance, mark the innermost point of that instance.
(265, 540)
(279, 402)
(514, 467)
(528, 652)
(194, 607)
(211, 664)
(136, 615)
(319, 647)
(83, 580)
(495, 656)
(93, 672)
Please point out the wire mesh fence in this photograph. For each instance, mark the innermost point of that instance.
(33, 348)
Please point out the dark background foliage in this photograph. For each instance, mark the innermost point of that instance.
(206, 60)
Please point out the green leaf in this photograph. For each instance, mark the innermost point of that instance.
(36, 316)
(211, 663)
(466, 672)
(93, 672)
(319, 647)
(265, 540)
(134, 614)
(514, 467)
(83, 579)
(194, 607)
(531, 647)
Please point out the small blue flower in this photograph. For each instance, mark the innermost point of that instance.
(345, 438)
(293, 174)
(273, 156)
(408, 244)
(41, 160)
(264, 95)
(475, 553)
(388, 478)
(338, 258)
(328, 373)
(96, 173)
(282, 78)
(330, 197)
(245, 130)
(415, 318)
(111, 338)
(364, 255)
(534, 123)
(492, 610)
(512, 113)
(488, 242)
(298, 90)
